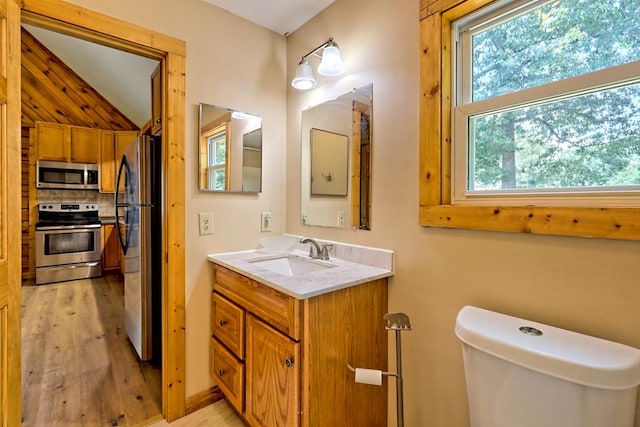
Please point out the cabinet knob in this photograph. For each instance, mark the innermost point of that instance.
(221, 372)
(288, 362)
(222, 323)
(158, 121)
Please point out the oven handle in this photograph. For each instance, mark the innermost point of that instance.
(67, 227)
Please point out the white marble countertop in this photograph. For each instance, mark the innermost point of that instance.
(342, 273)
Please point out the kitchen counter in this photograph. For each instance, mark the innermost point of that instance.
(339, 273)
(108, 220)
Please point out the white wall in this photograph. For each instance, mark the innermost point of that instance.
(236, 64)
(588, 285)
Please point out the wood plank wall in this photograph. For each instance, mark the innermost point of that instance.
(53, 92)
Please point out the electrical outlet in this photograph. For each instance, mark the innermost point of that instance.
(304, 217)
(340, 218)
(265, 221)
(206, 222)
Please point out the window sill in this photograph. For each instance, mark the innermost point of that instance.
(607, 223)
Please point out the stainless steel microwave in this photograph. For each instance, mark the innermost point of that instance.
(74, 176)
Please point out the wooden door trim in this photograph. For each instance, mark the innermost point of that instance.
(86, 24)
(10, 218)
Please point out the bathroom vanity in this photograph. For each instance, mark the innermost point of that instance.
(281, 342)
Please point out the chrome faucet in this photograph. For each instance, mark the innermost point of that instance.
(322, 252)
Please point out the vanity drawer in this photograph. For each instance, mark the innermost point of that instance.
(279, 310)
(228, 374)
(227, 324)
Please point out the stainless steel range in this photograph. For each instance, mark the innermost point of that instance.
(68, 243)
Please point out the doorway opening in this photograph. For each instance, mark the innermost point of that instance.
(87, 25)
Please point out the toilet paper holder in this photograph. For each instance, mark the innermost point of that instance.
(397, 322)
(384, 374)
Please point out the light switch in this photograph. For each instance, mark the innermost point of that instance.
(265, 221)
(206, 222)
(304, 217)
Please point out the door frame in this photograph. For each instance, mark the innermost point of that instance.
(86, 24)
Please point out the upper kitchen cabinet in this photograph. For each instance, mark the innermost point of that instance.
(156, 101)
(66, 143)
(112, 145)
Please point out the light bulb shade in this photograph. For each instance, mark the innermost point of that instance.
(331, 64)
(304, 77)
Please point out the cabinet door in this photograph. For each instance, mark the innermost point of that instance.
(112, 145)
(111, 248)
(84, 145)
(107, 162)
(156, 101)
(53, 141)
(272, 376)
(123, 138)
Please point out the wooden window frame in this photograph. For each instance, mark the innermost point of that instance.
(436, 209)
(225, 127)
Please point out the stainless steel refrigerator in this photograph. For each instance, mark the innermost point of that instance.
(137, 211)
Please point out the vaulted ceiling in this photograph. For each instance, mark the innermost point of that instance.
(52, 92)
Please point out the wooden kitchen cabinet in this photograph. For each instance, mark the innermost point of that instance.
(107, 161)
(110, 248)
(66, 143)
(156, 101)
(84, 145)
(112, 145)
(282, 361)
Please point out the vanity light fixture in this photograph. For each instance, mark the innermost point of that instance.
(331, 65)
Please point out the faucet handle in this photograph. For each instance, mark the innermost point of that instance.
(324, 252)
(326, 248)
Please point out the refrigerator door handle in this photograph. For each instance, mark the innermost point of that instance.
(124, 167)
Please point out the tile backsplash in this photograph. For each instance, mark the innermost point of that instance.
(104, 200)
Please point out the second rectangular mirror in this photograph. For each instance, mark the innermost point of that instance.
(230, 150)
(336, 161)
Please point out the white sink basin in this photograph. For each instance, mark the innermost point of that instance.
(291, 265)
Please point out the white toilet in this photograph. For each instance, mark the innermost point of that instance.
(525, 374)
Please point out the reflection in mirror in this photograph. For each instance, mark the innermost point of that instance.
(329, 164)
(336, 161)
(230, 150)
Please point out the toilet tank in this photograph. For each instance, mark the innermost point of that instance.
(521, 373)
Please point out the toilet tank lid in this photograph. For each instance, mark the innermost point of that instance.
(571, 356)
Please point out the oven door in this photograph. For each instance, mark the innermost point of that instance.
(67, 245)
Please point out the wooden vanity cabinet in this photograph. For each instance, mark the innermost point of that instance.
(282, 361)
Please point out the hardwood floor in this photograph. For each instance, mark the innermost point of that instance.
(79, 368)
(219, 414)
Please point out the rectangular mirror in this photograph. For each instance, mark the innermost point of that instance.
(336, 161)
(230, 150)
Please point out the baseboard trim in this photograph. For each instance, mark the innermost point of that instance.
(202, 399)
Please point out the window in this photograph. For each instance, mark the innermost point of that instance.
(532, 209)
(217, 148)
(546, 104)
